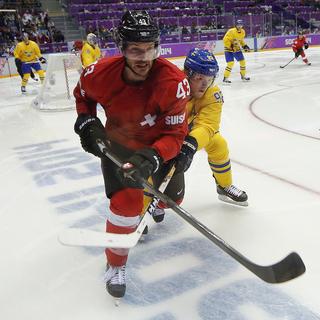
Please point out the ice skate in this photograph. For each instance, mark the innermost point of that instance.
(144, 233)
(35, 79)
(158, 215)
(232, 195)
(115, 279)
(226, 80)
(23, 90)
(244, 78)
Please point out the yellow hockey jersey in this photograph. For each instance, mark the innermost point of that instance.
(89, 54)
(204, 115)
(233, 40)
(27, 52)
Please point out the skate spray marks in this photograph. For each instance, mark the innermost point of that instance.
(183, 279)
(55, 164)
(251, 299)
(163, 316)
(217, 298)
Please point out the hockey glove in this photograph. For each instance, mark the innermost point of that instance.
(306, 46)
(246, 48)
(143, 163)
(42, 60)
(185, 157)
(90, 128)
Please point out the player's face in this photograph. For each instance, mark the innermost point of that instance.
(199, 84)
(140, 56)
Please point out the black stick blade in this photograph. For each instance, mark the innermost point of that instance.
(287, 269)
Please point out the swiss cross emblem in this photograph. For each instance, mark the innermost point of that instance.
(149, 119)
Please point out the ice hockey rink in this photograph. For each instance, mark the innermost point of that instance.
(49, 184)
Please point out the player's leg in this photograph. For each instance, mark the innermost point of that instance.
(174, 190)
(219, 162)
(37, 67)
(18, 64)
(304, 58)
(230, 62)
(33, 77)
(124, 215)
(239, 57)
(25, 68)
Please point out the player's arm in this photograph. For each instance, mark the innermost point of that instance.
(228, 42)
(172, 101)
(243, 43)
(205, 124)
(16, 52)
(296, 49)
(83, 90)
(37, 53)
(88, 126)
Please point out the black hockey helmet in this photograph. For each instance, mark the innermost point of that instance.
(137, 26)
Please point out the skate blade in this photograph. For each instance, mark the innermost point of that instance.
(228, 200)
(117, 302)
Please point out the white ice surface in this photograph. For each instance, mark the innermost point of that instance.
(272, 126)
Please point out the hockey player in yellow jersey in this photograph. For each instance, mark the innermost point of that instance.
(28, 52)
(233, 41)
(90, 51)
(204, 116)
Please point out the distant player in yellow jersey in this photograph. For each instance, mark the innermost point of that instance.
(29, 53)
(204, 116)
(233, 41)
(90, 51)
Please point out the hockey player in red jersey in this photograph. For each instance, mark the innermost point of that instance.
(298, 45)
(144, 98)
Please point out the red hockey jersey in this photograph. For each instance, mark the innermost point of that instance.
(151, 113)
(298, 43)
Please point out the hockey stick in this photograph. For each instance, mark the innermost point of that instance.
(288, 63)
(90, 238)
(289, 268)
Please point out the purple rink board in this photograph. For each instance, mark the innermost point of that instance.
(171, 50)
(286, 41)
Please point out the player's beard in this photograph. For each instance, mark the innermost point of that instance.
(139, 68)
